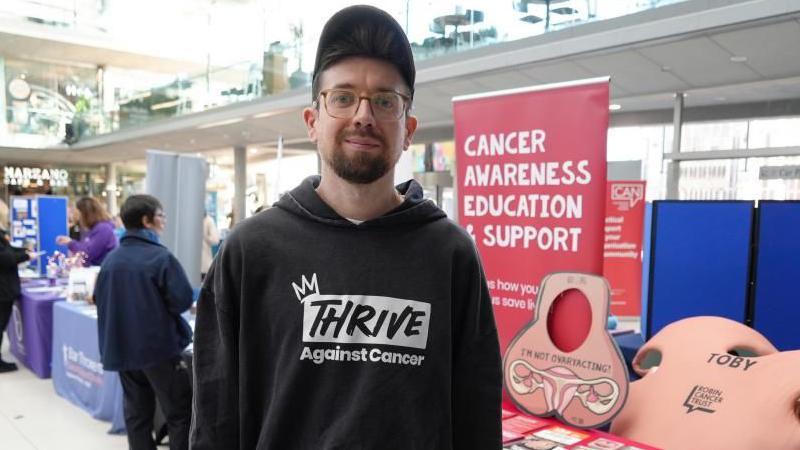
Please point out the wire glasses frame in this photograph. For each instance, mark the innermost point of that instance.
(386, 106)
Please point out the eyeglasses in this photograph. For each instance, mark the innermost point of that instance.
(386, 106)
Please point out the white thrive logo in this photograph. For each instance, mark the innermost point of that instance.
(361, 319)
(305, 285)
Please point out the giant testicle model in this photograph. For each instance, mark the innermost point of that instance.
(584, 387)
(705, 394)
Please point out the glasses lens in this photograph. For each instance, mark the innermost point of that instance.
(341, 104)
(387, 105)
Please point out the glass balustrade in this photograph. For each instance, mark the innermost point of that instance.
(166, 59)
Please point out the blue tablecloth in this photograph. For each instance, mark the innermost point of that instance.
(78, 374)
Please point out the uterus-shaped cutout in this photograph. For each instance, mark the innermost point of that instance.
(585, 386)
(560, 385)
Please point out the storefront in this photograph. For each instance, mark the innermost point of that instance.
(70, 181)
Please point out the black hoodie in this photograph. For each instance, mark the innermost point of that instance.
(313, 332)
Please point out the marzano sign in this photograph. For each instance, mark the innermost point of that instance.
(20, 176)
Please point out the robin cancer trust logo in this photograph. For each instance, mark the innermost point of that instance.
(703, 399)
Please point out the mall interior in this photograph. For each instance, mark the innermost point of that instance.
(200, 103)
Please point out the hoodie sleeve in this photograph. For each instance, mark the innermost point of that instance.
(477, 373)
(215, 405)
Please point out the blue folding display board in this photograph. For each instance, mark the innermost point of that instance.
(646, 237)
(38, 220)
(699, 261)
(776, 304)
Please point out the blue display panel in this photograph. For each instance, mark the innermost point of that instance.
(52, 223)
(36, 221)
(699, 261)
(776, 308)
(646, 238)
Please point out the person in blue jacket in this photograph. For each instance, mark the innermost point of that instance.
(140, 293)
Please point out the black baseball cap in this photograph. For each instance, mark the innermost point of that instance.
(337, 34)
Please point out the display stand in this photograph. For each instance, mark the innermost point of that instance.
(36, 221)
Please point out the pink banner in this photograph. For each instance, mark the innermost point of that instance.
(622, 250)
(531, 167)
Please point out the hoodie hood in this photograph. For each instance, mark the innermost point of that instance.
(303, 201)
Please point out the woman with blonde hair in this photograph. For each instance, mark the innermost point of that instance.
(10, 257)
(97, 232)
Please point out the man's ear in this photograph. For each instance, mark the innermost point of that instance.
(411, 128)
(310, 118)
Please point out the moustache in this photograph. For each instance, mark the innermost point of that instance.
(363, 133)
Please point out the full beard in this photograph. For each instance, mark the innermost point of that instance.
(360, 167)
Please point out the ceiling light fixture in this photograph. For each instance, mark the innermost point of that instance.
(168, 104)
(614, 107)
(220, 123)
(266, 114)
(738, 59)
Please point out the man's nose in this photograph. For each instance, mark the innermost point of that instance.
(364, 116)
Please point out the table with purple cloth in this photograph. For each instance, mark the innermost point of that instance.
(31, 328)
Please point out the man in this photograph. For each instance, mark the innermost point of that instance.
(210, 238)
(141, 292)
(353, 315)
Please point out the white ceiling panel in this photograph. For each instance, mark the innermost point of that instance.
(645, 102)
(558, 72)
(616, 91)
(700, 62)
(507, 79)
(632, 72)
(452, 88)
(38, 49)
(772, 50)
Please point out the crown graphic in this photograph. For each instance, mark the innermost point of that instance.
(306, 285)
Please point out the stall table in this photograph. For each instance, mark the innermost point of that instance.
(78, 373)
(31, 328)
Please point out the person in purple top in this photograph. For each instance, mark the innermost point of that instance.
(97, 232)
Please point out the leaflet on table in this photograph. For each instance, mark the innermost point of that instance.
(524, 424)
(562, 435)
(521, 432)
(556, 440)
(536, 443)
(510, 436)
(507, 414)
